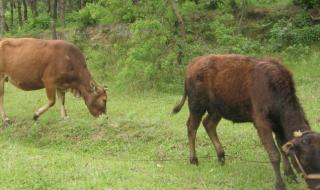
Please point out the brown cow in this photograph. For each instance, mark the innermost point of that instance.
(244, 89)
(57, 66)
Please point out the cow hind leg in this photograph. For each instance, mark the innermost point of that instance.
(5, 119)
(61, 96)
(210, 123)
(51, 94)
(193, 125)
(288, 171)
(265, 133)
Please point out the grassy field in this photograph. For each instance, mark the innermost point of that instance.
(124, 150)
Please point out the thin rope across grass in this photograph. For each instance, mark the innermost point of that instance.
(187, 159)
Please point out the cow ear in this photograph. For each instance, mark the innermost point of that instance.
(288, 147)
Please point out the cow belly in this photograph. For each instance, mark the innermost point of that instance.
(27, 84)
(236, 112)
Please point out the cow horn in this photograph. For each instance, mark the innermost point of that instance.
(287, 147)
(297, 134)
(105, 87)
(93, 86)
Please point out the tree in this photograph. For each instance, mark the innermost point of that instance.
(2, 16)
(62, 11)
(49, 6)
(11, 13)
(19, 13)
(25, 10)
(34, 9)
(54, 19)
(135, 2)
(182, 31)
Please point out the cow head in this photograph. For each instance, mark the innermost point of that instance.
(96, 100)
(304, 150)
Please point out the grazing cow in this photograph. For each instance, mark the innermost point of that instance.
(57, 66)
(245, 89)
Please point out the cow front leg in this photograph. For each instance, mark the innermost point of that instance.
(264, 129)
(288, 171)
(61, 96)
(5, 119)
(51, 94)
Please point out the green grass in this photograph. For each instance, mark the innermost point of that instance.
(110, 153)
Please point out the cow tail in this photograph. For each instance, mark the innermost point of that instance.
(179, 105)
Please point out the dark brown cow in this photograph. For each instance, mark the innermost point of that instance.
(244, 89)
(57, 66)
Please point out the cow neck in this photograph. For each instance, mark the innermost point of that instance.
(293, 119)
(85, 90)
(84, 85)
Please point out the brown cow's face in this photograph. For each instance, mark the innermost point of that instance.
(307, 149)
(97, 102)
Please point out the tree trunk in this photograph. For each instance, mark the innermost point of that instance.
(19, 13)
(25, 10)
(49, 6)
(11, 14)
(2, 17)
(62, 11)
(82, 4)
(182, 31)
(34, 10)
(135, 2)
(54, 19)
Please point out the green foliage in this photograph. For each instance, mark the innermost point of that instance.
(121, 10)
(41, 22)
(225, 36)
(297, 52)
(188, 8)
(214, 4)
(145, 63)
(104, 12)
(307, 3)
(285, 34)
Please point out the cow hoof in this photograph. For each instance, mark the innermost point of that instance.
(291, 178)
(221, 160)
(280, 186)
(194, 161)
(35, 117)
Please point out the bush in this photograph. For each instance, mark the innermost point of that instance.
(285, 34)
(296, 52)
(226, 37)
(104, 12)
(146, 61)
(41, 22)
(307, 3)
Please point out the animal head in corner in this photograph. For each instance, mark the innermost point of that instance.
(304, 150)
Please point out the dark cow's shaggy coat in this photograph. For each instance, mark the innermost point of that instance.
(245, 89)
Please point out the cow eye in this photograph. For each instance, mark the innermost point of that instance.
(305, 141)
